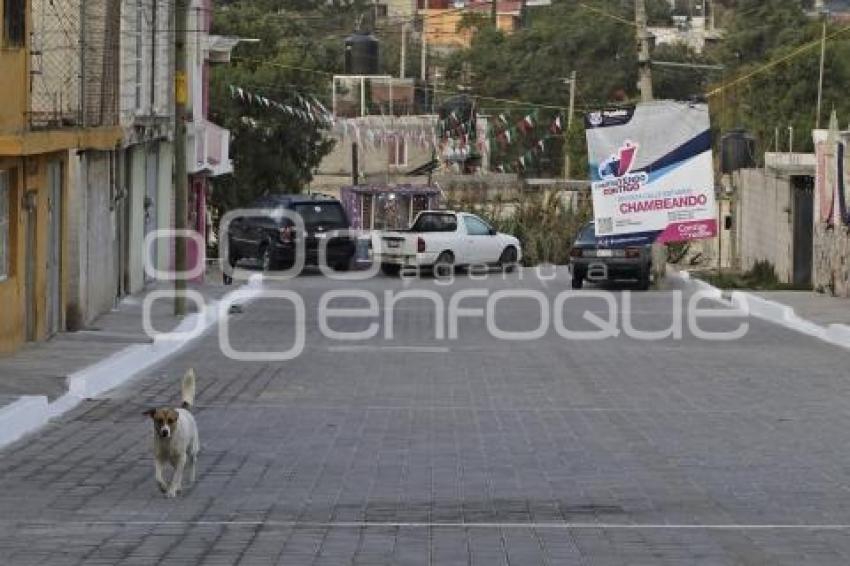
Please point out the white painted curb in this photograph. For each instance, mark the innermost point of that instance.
(30, 413)
(777, 313)
(18, 418)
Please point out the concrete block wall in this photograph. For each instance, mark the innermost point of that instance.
(764, 220)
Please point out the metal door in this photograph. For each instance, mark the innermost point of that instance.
(803, 227)
(54, 247)
(151, 185)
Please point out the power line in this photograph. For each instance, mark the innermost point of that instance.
(770, 64)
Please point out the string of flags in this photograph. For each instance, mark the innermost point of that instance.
(305, 110)
(453, 136)
(525, 133)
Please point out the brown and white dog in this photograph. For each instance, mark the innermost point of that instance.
(176, 439)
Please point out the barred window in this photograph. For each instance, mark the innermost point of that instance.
(5, 237)
(14, 23)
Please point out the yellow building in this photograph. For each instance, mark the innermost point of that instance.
(443, 26)
(45, 115)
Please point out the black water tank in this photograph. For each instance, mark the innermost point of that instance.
(737, 151)
(361, 54)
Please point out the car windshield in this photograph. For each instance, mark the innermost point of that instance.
(587, 234)
(435, 223)
(321, 213)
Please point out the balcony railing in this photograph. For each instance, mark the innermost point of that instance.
(209, 150)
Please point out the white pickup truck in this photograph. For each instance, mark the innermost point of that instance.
(443, 240)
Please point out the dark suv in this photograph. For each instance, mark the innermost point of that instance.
(272, 238)
(601, 259)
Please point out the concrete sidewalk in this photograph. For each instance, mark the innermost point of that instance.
(821, 316)
(814, 307)
(52, 376)
(42, 368)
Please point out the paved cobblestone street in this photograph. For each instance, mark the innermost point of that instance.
(417, 450)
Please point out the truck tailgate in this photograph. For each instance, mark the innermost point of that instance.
(398, 244)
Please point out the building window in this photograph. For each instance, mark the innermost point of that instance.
(398, 151)
(14, 23)
(5, 233)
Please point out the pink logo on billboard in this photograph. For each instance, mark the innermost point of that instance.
(686, 231)
(620, 164)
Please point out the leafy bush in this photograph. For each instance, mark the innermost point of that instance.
(545, 224)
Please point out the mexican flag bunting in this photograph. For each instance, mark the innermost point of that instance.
(526, 124)
(557, 125)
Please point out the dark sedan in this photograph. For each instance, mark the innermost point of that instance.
(608, 259)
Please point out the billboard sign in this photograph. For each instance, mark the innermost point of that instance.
(652, 172)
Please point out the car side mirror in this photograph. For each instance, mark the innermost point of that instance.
(492, 231)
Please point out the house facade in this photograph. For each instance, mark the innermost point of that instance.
(57, 105)
(442, 21)
(771, 217)
(208, 144)
(145, 163)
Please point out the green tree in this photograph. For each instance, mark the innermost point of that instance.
(300, 46)
(763, 97)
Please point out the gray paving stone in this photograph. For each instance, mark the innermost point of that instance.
(549, 452)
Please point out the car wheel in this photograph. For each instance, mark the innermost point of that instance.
(341, 266)
(444, 266)
(644, 281)
(507, 261)
(577, 281)
(390, 269)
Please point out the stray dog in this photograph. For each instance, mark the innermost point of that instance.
(175, 438)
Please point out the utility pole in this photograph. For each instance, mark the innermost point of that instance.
(659, 251)
(403, 51)
(644, 59)
(181, 178)
(569, 124)
(823, 15)
(423, 63)
(494, 14)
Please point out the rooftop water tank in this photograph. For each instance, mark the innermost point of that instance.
(737, 151)
(361, 54)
